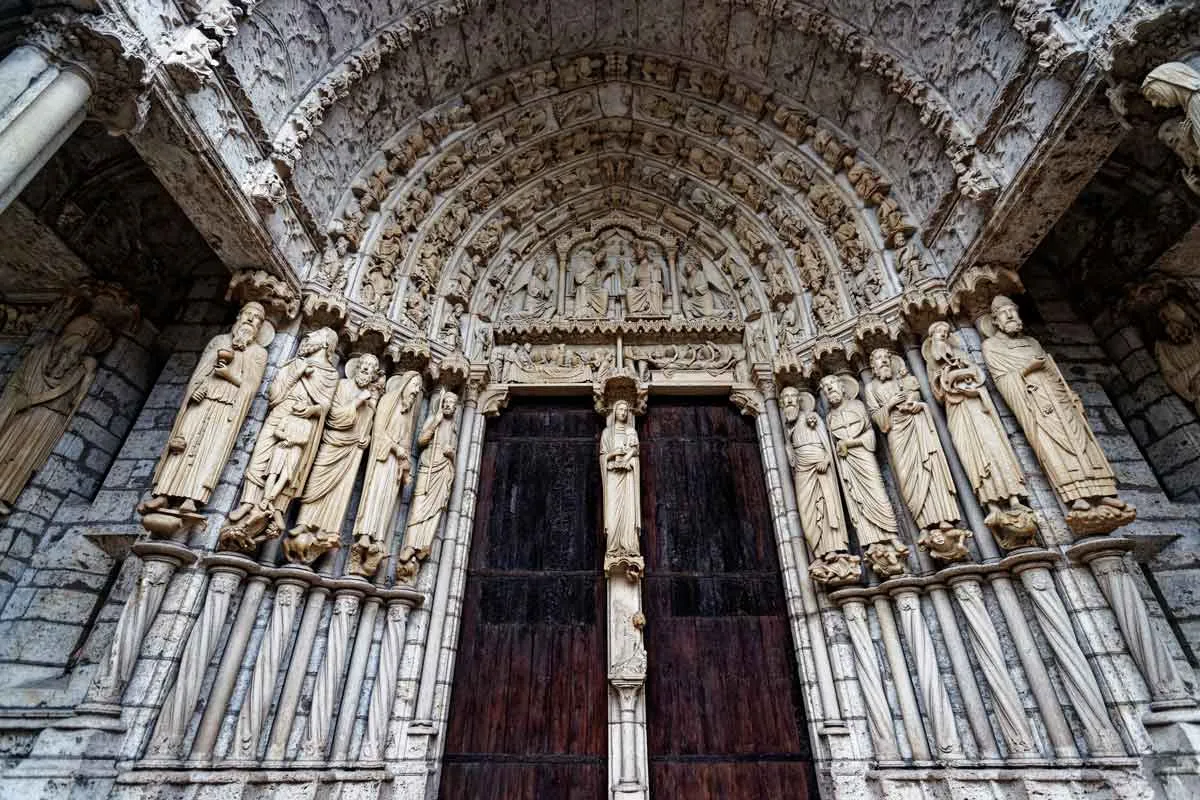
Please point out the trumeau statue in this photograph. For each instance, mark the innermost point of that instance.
(40, 399)
(1052, 417)
(817, 494)
(979, 437)
(620, 470)
(1178, 353)
(215, 404)
(1177, 85)
(330, 482)
(299, 398)
(389, 470)
(894, 398)
(867, 502)
(435, 478)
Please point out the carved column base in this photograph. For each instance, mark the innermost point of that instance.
(1101, 517)
(946, 543)
(836, 569)
(887, 558)
(1014, 527)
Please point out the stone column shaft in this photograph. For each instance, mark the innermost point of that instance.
(383, 694)
(25, 141)
(231, 664)
(329, 676)
(879, 712)
(19, 76)
(933, 691)
(289, 696)
(831, 715)
(354, 679)
(964, 675)
(909, 711)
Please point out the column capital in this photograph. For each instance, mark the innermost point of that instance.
(112, 54)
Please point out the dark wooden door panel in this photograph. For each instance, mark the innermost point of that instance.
(528, 714)
(724, 711)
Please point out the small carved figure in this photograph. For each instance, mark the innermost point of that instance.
(40, 399)
(435, 478)
(620, 467)
(700, 299)
(1177, 85)
(867, 502)
(389, 470)
(1054, 423)
(539, 294)
(894, 398)
(979, 437)
(298, 400)
(215, 404)
(1178, 353)
(451, 334)
(330, 482)
(817, 495)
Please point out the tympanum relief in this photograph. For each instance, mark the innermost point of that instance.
(1052, 417)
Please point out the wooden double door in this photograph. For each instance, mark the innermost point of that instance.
(528, 714)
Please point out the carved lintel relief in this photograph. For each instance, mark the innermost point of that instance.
(1051, 415)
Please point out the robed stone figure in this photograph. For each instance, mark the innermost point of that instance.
(818, 495)
(862, 482)
(435, 478)
(330, 482)
(894, 399)
(215, 404)
(620, 470)
(979, 437)
(389, 470)
(298, 400)
(40, 399)
(1052, 417)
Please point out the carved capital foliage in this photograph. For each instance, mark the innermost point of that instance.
(113, 55)
(973, 291)
(277, 296)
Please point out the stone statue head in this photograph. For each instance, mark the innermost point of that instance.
(621, 411)
(366, 371)
(789, 402)
(940, 331)
(1006, 315)
(449, 404)
(833, 390)
(410, 388)
(82, 335)
(881, 364)
(321, 340)
(246, 326)
(1170, 85)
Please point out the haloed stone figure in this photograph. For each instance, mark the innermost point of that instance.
(40, 399)
(894, 399)
(299, 398)
(979, 437)
(817, 493)
(435, 478)
(1052, 417)
(330, 483)
(620, 470)
(389, 470)
(215, 404)
(866, 497)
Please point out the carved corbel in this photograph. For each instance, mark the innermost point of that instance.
(280, 300)
(972, 292)
(748, 399)
(113, 55)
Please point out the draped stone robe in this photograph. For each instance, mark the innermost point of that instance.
(817, 492)
(389, 465)
(34, 413)
(330, 482)
(214, 408)
(288, 440)
(1051, 416)
(435, 478)
(866, 498)
(621, 472)
(916, 452)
